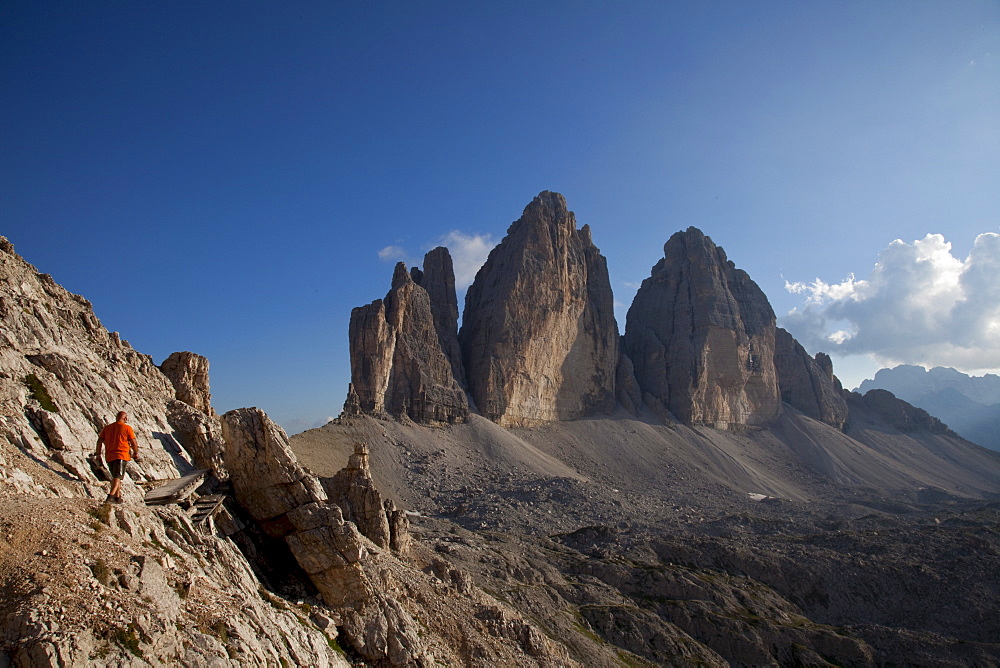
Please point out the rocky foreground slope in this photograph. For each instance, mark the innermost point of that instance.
(291, 570)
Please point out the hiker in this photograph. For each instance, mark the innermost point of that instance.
(119, 442)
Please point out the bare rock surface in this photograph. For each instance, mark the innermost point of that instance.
(398, 365)
(808, 383)
(700, 335)
(353, 489)
(201, 435)
(90, 584)
(188, 372)
(63, 376)
(438, 279)
(539, 338)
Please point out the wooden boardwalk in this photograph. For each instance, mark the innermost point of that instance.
(177, 490)
(205, 507)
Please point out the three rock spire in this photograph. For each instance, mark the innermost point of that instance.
(539, 341)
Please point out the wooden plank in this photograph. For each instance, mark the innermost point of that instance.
(176, 490)
(206, 506)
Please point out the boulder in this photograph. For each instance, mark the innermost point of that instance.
(188, 372)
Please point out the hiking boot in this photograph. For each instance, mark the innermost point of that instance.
(116, 499)
(110, 499)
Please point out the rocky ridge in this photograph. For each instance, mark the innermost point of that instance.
(968, 404)
(85, 583)
(276, 576)
(539, 341)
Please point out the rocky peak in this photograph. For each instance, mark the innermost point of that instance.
(438, 279)
(539, 339)
(353, 489)
(808, 383)
(398, 365)
(188, 373)
(700, 335)
(898, 413)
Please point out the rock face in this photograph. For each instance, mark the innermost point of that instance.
(201, 435)
(353, 489)
(539, 341)
(63, 376)
(700, 335)
(808, 383)
(438, 279)
(539, 338)
(188, 373)
(398, 366)
(289, 503)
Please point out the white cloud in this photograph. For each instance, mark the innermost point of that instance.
(920, 305)
(392, 254)
(468, 253)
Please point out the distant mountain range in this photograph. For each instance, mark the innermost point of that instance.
(970, 405)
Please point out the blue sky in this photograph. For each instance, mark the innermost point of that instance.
(233, 177)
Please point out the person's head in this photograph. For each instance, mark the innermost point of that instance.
(122, 416)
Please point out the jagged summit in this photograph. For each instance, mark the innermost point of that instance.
(399, 364)
(539, 340)
(700, 334)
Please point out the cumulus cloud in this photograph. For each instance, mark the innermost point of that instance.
(468, 253)
(920, 305)
(392, 254)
